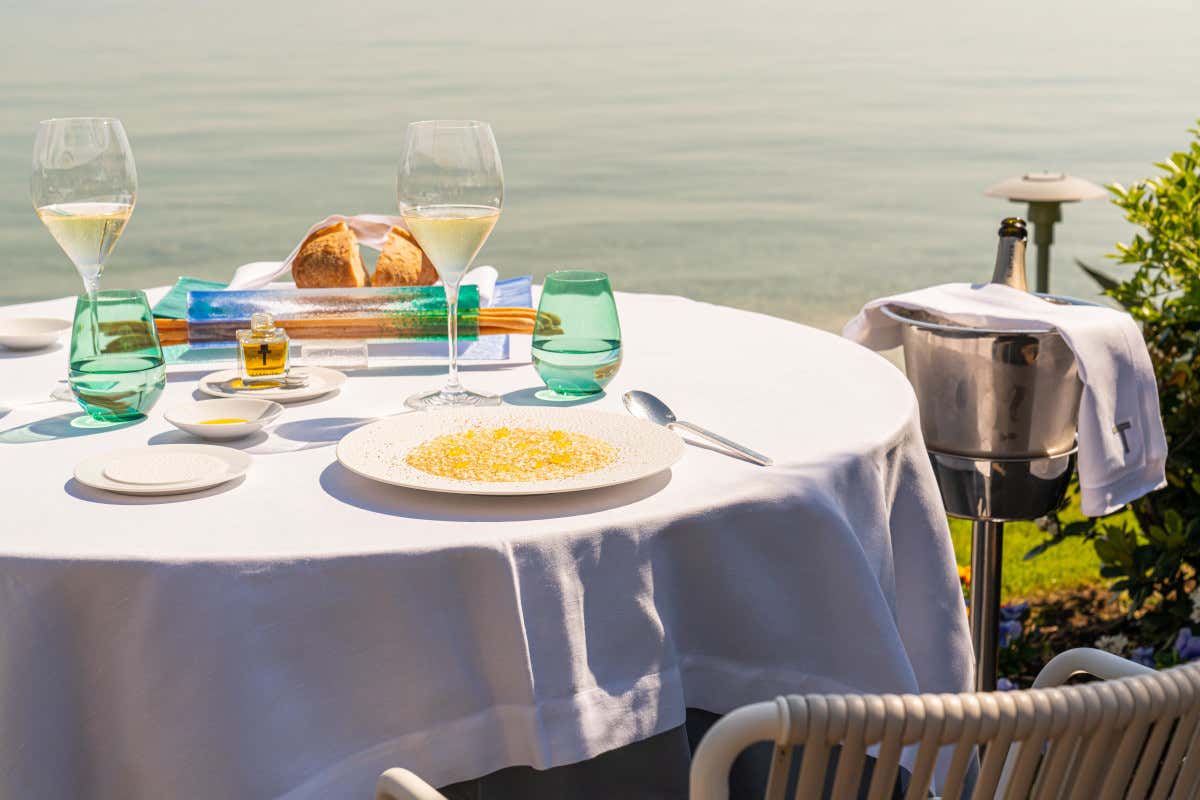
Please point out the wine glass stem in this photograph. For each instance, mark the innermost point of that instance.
(452, 385)
(91, 285)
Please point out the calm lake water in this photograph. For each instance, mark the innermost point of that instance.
(792, 158)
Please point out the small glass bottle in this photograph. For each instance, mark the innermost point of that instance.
(262, 351)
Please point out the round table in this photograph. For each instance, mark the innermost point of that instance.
(299, 630)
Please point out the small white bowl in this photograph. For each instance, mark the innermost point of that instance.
(32, 333)
(191, 417)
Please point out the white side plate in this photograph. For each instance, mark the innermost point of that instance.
(92, 471)
(151, 468)
(321, 380)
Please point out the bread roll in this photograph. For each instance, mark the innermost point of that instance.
(329, 258)
(403, 262)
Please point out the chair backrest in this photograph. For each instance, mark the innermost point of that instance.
(1132, 737)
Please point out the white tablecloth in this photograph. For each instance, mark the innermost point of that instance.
(302, 629)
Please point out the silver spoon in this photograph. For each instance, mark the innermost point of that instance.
(649, 407)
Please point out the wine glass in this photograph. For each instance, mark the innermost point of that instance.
(84, 184)
(450, 187)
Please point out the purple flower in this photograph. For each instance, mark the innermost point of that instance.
(1014, 611)
(1005, 685)
(1010, 631)
(1186, 646)
(1143, 656)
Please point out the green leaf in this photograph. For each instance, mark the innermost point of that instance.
(1103, 281)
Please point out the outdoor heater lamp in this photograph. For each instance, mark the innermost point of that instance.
(1045, 192)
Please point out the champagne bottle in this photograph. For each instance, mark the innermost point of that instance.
(1010, 254)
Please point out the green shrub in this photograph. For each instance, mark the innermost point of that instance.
(1156, 561)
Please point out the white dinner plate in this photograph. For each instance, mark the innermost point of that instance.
(377, 451)
(93, 471)
(321, 380)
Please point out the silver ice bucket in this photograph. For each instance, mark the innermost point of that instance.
(990, 393)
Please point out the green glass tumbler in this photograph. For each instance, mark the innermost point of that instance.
(577, 337)
(116, 369)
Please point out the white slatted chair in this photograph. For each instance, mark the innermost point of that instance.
(400, 784)
(1133, 735)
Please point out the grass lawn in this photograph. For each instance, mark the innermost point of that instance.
(1071, 564)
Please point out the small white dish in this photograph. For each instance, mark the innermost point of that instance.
(321, 380)
(32, 333)
(191, 417)
(92, 472)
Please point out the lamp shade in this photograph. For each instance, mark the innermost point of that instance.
(1046, 187)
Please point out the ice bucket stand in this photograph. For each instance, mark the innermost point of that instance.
(999, 412)
(990, 492)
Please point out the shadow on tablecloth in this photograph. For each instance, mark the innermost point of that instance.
(63, 426)
(87, 493)
(530, 397)
(183, 437)
(6, 354)
(288, 437)
(320, 430)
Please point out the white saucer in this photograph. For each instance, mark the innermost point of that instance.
(131, 464)
(32, 333)
(190, 417)
(321, 380)
(150, 467)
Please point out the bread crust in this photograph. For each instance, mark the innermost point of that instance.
(329, 258)
(403, 263)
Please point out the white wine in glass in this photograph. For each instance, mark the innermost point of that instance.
(450, 187)
(451, 235)
(84, 186)
(87, 232)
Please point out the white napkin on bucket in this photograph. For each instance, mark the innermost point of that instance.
(1122, 447)
(371, 230)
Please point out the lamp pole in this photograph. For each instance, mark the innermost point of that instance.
(1043, 215)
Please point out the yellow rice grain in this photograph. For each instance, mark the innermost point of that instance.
(511, 454)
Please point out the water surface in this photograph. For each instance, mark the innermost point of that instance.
(792, 158)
